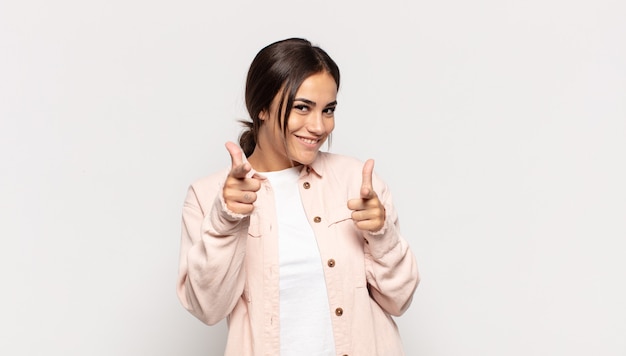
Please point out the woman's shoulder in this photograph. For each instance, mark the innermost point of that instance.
(337, 159)
(209, 184)
(345, 168)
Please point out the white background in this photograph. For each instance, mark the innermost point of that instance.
(499, 125)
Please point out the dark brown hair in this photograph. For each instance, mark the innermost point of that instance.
(280, 66)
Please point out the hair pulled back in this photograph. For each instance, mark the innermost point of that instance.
(280, 67)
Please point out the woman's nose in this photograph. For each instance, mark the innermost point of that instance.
(315, 122)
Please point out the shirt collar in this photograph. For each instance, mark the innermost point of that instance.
(318, 166)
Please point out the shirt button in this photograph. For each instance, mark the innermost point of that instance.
(339, 312)
(306, 185)
(317, 219)
(331, 263)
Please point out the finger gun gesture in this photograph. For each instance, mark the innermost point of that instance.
(368, 213)
(241, 184)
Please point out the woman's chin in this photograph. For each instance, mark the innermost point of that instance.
(304, 159)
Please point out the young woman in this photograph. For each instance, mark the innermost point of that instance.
(299, 248)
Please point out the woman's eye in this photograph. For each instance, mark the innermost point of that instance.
(301, 107)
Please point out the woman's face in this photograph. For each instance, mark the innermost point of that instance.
(311, 121)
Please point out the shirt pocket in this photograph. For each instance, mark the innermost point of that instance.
(348, 244)
(255, 229)
(339, 214)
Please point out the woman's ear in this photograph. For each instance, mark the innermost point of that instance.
(263, 115)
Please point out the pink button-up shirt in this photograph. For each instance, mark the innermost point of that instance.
(229, 262)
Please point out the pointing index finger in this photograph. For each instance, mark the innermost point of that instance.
(367, 189)
(239, 165)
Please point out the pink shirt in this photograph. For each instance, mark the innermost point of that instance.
(229, 263)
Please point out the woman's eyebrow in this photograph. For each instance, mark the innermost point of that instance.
(306, 101)
(312, 103)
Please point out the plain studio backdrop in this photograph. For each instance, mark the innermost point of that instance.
(500, 127)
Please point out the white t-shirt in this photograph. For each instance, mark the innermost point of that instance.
(305, 325)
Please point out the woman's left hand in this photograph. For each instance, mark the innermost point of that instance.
(368, 213)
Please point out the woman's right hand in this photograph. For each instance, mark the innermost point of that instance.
(241, 184)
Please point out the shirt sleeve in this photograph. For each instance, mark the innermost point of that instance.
(211, 276)
(391, 267)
